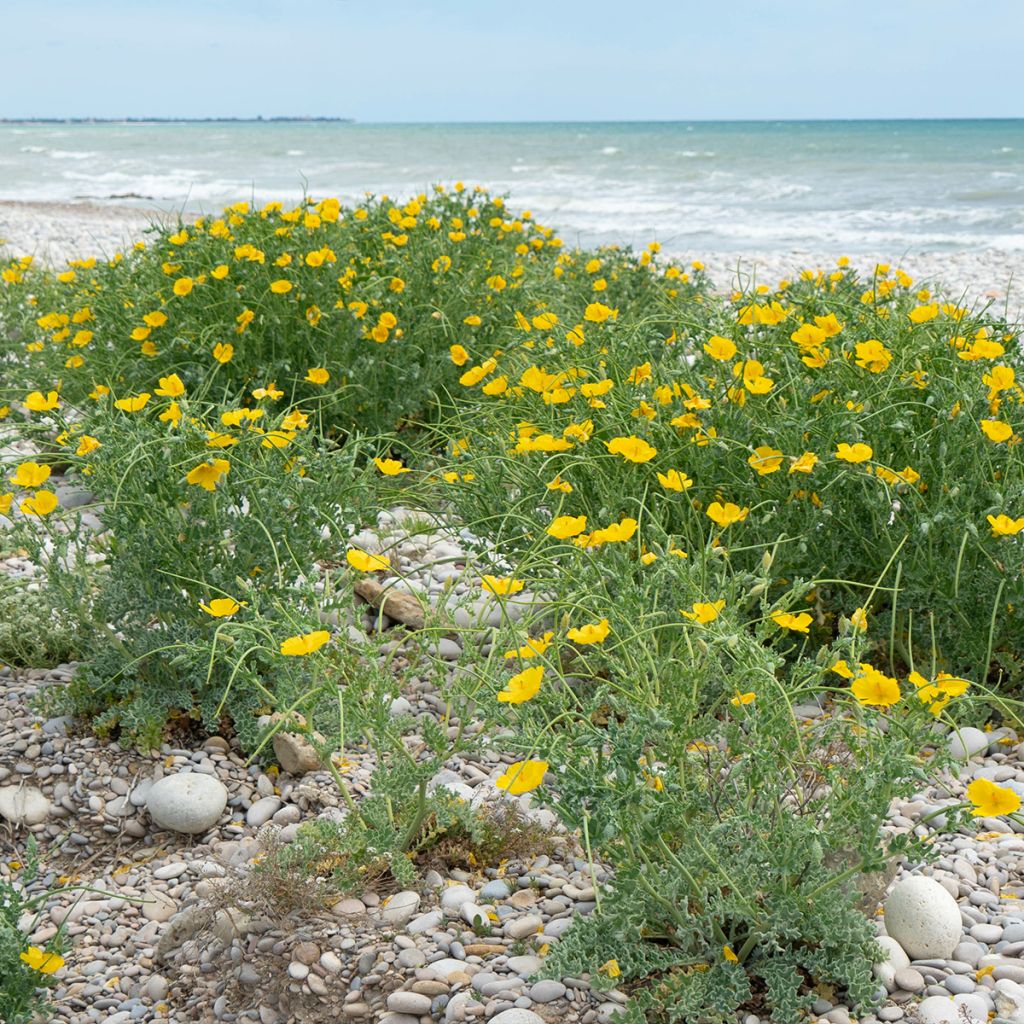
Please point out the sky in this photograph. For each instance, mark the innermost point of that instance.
(519, 60)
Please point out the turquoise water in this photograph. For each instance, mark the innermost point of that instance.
(857, 186)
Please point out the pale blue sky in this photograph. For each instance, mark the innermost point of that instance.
(474, 60)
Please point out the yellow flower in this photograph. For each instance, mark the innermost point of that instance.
(220, 271)
(363, 561)
(703, 612)
(598, 313)
(134, 404)
(921, 314)
(172, 414)
(632, 448)
(207, 474)
(522, 777)
(390, 467)
(804, 464)
(532, 647)
(615, 532)
(996, 430)
(874, 690)
(590, 633)
(5, 502)
(611, 968)
(87, 444)
(727, 514)
(722, 349)
(297, 646)
(170, 387)
(271, 391)
(564, 527)
(859, 619)
(990, 800)
(459, 356)
(30, 474)
(223, 353)
(799, 623)
(216, 440)
(853, 452)
(674, 480)
(742, 699)
(1004, 526)
(473, 321)
(42, 503)
(523, 686)
(36, 401)
(221, 607)
(317, 375)
(155, 319)
(281, 287)
(183, 286)
(558, 484)
(500, 585)
(729, 955)
(44, 963)
(765, 460)
(873, 356)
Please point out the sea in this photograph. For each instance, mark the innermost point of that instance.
(767, 186)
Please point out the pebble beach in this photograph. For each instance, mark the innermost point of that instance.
(154, 848)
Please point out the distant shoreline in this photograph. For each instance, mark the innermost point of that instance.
(173, 120)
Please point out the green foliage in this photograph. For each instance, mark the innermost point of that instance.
(33, 634)
(22, 987)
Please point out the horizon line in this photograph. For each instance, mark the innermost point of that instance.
(338, 119)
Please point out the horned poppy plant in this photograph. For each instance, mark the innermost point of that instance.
(564, 527)
(207, 474)
(41, 961)
(799, 623)
(30, 475)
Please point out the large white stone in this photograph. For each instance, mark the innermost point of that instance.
(187, 802)
(400, 908)
(517, 1016)
(923, 918)
(943, 1010)
(1009, 997)
(23, 805)
(965, 743)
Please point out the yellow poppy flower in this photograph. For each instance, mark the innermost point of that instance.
(317, 375)
(390, 467)
(223, 353)
(170, 387)
(564, 527)
(996, 430)
(207, 474)
(36, 401)
(1004, 526)
(523, 686)
(765, 460)
(522, 777)
(727, 514)
(533, 647)
(853, 452)
(281, 286)
(703, 612)
(799, 623)
(298, 646)
(41, 961)
(990, 800)
(363, 561)
(632, 448)
(722, 349)
(590, 633)
(674, 480)
(501, 586)
(221, 607)
(30, 475)
(42, 503)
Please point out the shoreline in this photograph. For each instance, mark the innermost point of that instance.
(55, 232)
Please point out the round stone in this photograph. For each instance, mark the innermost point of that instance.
(939, 1010)
(965, 743)
(262, 811)
(414, 1003)
(524, 926)
(909, 979)
(23, 805)
(401, 907)
(516, 1016)
(188, 802)
(547, 991)
(923, 918)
